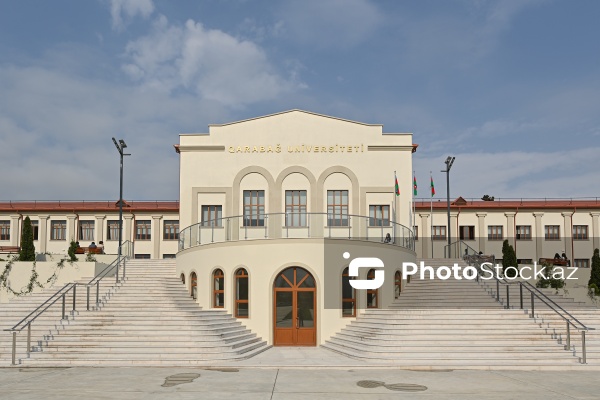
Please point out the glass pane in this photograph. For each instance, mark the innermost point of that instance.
(308, 283)
(344, 197)
(372, 299)
(300, 274)
(219, 283)
(281, 283)
(347, 290)
(283, 314)
(306, 309)
(219, 299)
(261, 197)
(242, 288)
(288, 197)
(303, 197)
(289, 274)
(348, 308)
(242, 309)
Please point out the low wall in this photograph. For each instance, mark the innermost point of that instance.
(21, 272)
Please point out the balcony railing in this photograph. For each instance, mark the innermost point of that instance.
(296, 225)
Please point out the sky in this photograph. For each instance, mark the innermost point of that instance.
(510, 88)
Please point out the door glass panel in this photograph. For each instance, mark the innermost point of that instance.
(283, 314)
(242, 288)
(242, 309)
(289, 274)
(281, 283)
(300, 274)
(309, 282)
(306, 309)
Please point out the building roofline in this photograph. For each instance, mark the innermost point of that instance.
(20, 207)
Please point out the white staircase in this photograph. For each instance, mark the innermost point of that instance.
(450, 324)
(149, 320)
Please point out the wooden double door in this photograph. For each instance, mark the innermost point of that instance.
(294, 308)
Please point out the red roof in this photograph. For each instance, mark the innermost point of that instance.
(83, 206)
(461, 203)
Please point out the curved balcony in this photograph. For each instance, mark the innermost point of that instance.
(296, 225)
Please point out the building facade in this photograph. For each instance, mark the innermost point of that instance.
(535, 228)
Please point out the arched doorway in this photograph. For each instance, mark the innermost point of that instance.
(294, 308)
(194, 286)
(397, 284)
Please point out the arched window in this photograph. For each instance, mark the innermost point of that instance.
(182, 278)
(241, 293)
(397, 284)
(348, 296)
(194, 286)
(218, 289)
(372, 294)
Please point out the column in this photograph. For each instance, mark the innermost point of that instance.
(99, 228)
(15, 232)
(595, 232)
(156, 235)
(539, 235)
(71, 232)
(453, 230)
(510, 228)
(127, 227)
(43, 233)
(481, 231)
(425, 236)
(568, 235)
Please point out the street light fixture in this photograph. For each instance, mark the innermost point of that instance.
(449, 161)
(120, 146)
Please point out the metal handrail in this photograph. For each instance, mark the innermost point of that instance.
(95, 281)
(551, 304)
(61, 293)
(459, 243)
(191, 236)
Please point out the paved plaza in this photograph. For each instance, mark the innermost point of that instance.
(288, 374)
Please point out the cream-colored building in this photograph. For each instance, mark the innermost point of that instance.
(536, 228)
(151, 228)
(269, 206)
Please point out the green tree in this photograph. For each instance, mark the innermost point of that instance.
(509, 259)
(548, 279)
(595, 273)
(71, 251)
(27, 252)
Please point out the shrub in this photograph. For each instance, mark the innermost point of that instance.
(27, 252)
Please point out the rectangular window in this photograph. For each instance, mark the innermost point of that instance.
(438, 233)
(254, 208)
(142, 256)
(467, 232)
(112, 233)
(523, 232)
(86, 230)
(295, 207)
(495, 232)
(35, 227)
(143, 230)
(212, 215)
(4, 230)
(552, 232)
(379, 215)
(580, 232)
(58, 230)
(168, 256)
(582, 263)
(416, 232)
(171, 230)
(337, 208)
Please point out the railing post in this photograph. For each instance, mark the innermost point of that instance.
(88, 296)
(532, 306)
(14, 348)
(507, 296)
(497, 290)
(124, 265)
(97, 293)
(583, 355)
(266, 226)
(349, 228)
(287, 226)
(64, 299)
(28, 338)
(568, 346)
(521, 294)
(212, 233)
(246, 229)
(74, 295)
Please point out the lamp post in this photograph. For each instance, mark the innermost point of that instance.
(120, 146)
(449, 161)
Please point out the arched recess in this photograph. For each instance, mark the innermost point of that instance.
(295, 308)
(354, 190)
(242, 292)
(312, 187)
(218, 288)
(182, 277)
(194, 285)
(397, 284)
(237, 194)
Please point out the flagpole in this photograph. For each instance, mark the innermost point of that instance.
(395, 206)
(431, 215)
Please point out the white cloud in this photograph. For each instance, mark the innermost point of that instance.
(123, 10)
(207, 62)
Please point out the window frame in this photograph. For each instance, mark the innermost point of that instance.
(216, 276)
(582, 234)
(552, 235)
(470, 232)
(254, 208)
(58, 229)
(523, 236)
(241, 273)
(146, 232)
(377, 215)
(337, 213)
(171, 229)
(443, 232)
(495, 232)
(345, 300)
(85, 230)
(212, 215)
(112, 226)
(296, 211)
(5, 230)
